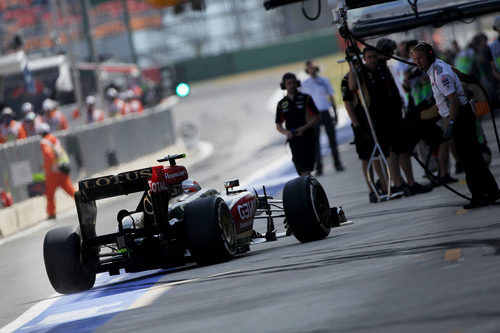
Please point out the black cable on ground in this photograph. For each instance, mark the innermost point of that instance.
(437, 179)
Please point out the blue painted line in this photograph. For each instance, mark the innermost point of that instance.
(87, 311)
(275, 179)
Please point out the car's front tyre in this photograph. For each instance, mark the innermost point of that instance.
(306, 209)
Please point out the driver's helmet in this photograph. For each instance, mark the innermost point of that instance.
(190, 186)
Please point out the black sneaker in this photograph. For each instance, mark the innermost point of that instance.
(319, 172)
(419, 188)
(494, 198)
(476, 204)
(447, 179)
(373, 197)
(339, 167)
(399, 191)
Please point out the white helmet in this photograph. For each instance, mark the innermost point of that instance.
(190, 186)
(26, 107)
(6, 111)
(90, 100)
(30, 116)
(48, 105)
(111, 93)
(42, 129)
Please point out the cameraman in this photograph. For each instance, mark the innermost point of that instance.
(321, 91)
(300, 115)
(385, 107)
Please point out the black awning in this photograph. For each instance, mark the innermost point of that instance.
(436, 18)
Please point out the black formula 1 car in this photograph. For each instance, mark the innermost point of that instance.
(175, 222)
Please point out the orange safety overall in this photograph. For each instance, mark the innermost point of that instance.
(11, 132)
(53, 177)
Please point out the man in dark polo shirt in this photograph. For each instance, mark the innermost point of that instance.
(300, 115)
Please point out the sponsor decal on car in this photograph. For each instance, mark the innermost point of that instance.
(175, 174)
(115, 179)
(158, 183)
(243, 211)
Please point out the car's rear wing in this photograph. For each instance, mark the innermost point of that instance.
(114, 185)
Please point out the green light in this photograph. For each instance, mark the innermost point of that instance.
(182, 90)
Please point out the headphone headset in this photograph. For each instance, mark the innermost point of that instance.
(427, 49)
(289, 76)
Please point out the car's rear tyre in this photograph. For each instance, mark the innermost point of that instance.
(306, 209)
(210, 231)
(62, 256)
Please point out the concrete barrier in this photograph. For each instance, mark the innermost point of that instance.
(93, 148)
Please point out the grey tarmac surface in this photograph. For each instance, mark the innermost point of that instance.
(416, 264)
(412, 264)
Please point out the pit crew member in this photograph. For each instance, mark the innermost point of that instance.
(300, 115)
(452, 103)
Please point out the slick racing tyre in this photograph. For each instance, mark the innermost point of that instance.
(306, 209)
(210, 230)
(62, 256)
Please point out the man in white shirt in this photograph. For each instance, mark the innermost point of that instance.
(322, 92)
(453, 105)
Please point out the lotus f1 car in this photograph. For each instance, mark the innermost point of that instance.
(175, 222)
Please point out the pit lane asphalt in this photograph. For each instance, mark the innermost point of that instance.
(413, 264)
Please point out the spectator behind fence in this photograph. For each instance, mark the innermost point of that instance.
(53, 117)
(31, 123)
(93, 114)
(10, 129)
(115, 104)
(134, 102)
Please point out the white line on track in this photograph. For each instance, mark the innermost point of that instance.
(30, 314)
